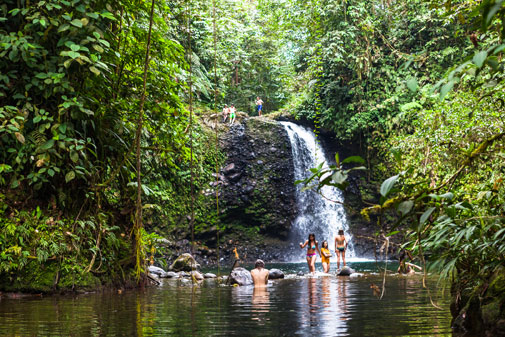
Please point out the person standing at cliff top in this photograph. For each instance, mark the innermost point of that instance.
(259, 273)
(233, 112)
(226, 111)
(259, 105)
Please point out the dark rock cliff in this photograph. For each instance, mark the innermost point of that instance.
(257, 179)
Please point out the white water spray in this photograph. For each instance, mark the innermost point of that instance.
(316, 214)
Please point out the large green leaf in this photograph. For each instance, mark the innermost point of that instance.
(69, 176)
(412, 84)
(77, 23)
(405, 207)
(426, 215)
(339, 177)
(479, 58)
(445, 89)
(47, 145)
(353, 159)
(387, 185)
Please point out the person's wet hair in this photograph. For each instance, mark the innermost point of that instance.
(341, 232)
(324, 242)
(259, 264)
(313, 235)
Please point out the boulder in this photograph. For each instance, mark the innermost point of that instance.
(156, 271)
(274, 274)
(209, 275)
(241, 276)
(170, 274)
(183, 274)
(346, 271)
(185, 262)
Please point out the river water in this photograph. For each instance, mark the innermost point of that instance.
(303, 306)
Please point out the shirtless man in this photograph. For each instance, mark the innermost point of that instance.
(233, 113)
(259, 105)
(259, 273)
(340, 247)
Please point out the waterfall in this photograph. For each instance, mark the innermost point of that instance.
(317, 214)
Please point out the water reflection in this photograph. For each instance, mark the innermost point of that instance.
(323, 306)
(260, 304)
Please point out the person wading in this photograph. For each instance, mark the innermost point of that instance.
(259, 273)
(325, 256)
(312, 249)
(340, 247)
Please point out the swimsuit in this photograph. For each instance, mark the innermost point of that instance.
(325, 259)
(312, 254)
(341, 249)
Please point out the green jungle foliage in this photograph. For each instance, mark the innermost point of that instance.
(70, 84)
(443, 140)
(356, 58)
(418, 83)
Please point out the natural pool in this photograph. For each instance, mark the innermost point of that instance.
(317, 306)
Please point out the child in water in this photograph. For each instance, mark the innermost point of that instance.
(340, 247)
(325, 256)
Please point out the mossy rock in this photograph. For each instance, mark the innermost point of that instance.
(491, 312)
(185, 262)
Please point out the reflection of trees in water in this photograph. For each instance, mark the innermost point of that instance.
(324, 306)
(405, 308)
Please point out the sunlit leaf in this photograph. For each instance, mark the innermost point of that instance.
(387, 185)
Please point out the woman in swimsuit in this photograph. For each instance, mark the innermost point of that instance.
(311, 251)
(325, 256)
(340, 247)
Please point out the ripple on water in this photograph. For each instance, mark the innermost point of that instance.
(322, 305)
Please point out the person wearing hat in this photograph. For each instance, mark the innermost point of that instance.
(259, 273)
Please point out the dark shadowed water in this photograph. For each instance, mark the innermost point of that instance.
(303, 306)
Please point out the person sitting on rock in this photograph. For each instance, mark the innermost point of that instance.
(259, 273)
(226, 112)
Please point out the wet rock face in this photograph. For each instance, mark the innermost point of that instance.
(257, 180)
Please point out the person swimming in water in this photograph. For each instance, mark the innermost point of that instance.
(325, 256)
(340, 247)
(312, 249)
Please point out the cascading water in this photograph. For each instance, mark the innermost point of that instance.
(317, 214)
